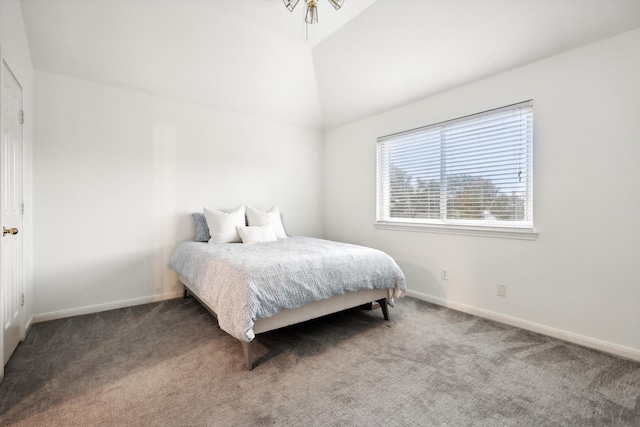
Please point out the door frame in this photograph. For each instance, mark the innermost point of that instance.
(1, 290)
(4, 67)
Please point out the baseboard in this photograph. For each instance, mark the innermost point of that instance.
(53, 315)
(594, 343)
(28, 326)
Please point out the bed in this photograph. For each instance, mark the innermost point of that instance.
(256, 288)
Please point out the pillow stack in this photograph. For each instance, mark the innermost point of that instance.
(240, 225)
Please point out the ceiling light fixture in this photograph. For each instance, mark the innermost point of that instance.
(311, 14)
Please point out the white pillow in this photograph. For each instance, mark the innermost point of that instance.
(222, 225)
(272, 216)
(257, 234)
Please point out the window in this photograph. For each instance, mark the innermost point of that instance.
(472, 173)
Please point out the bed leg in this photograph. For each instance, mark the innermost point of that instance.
(248, 356)
(383, 306)
(186, 293)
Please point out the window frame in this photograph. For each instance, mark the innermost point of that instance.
(489, 228)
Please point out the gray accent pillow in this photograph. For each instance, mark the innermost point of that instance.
(283, 227)
(202, 229)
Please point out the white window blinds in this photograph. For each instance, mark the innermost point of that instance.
(472, 171)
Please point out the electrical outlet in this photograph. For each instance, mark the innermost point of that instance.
(502, 290)
(444, 275)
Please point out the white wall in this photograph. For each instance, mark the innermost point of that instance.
(117, 174)
(14, 49)
(580, 279)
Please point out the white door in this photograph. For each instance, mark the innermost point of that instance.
(11, 211)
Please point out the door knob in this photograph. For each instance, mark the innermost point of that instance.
(6, 231)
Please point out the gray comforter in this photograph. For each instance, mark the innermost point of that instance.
(244, 283)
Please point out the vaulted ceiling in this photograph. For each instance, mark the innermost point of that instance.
(254, 57)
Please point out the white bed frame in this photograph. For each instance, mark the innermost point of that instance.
(302, 314)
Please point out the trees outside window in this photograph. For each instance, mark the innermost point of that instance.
(477, 170)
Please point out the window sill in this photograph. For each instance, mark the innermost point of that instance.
(500, 232)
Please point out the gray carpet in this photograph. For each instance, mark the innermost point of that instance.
(169, 364)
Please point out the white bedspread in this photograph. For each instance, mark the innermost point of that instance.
(244, 283)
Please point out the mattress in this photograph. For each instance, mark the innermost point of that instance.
(246, 282)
